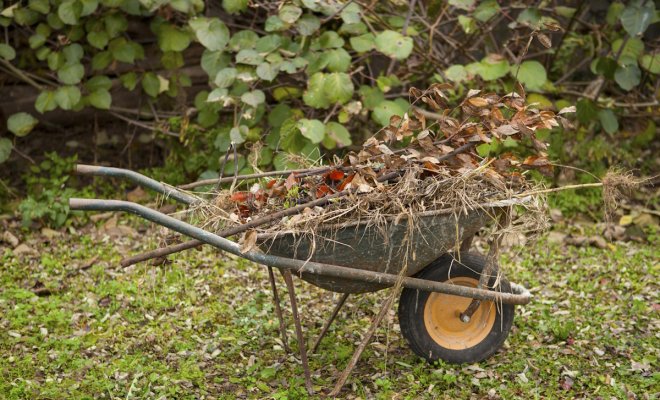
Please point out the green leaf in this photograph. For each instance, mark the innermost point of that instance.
(67, 97)
(279, 114)
(315, 95)
(122, 50)
(101, 60)
(217, 95)
(274, 24)
(490, 68)
(289, 13)
(394, 44)
(463, 4)
(608, 120)
(330, 40)
(351, 14)
(531, 74)
(291, 139)
(98, 39)
(586, 111)
(456, 73)
(69, 11)
(88, 7)
(249, 57)
(338, 133)
(172, 59)
(385, 110)
(71, 74)
(651, 62)
(238, 134)
(468, 24)
(45, 101)
(151, 84)
(20, 124)
(214, 61)
(7, 52)
(268, 43)
(129, 80)
(312, 129)
(308, 24)
(632, 49)
(211, 33)
(614, 12)
(371, 96)
(628, 76)
(337, 60)
(115, 24)
(235, 6)
(363, 43)
(73, 53)
(486, 10)
(243, 40)
(40, 6)
(267, 71)
(225, 77)
(604, 66)
(100, 99)
(338, 87)
(5, 149)
(171, 38)
(253, 98)
(636, 17)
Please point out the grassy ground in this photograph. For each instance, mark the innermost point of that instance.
(75, 325)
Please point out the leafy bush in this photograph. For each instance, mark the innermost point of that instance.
(311, 77)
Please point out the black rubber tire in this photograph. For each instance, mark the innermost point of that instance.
(412, 304)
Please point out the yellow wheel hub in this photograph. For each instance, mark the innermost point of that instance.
(443, 322)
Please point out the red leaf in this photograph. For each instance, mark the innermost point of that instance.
(322, 191)
(290, 182)
(239, 197)
(345, 182)
(335, 175)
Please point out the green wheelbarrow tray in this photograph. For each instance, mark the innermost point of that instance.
(384, 248)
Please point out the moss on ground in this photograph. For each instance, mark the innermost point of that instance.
(76, 325)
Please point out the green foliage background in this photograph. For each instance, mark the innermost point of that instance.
(311, 78)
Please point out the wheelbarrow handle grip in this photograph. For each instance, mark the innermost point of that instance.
(139, 179)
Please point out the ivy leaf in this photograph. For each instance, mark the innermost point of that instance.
(486, 10)
(628, 76)
(225, 77)
(330, 40)
(385, 110)
(315, 96)
(351, 13)
(100, 99)
(243, 40)
(217, 95)
(73, 53)
(122, 51)
(20, 124)
(151, 84)
(115, 24)
(253, 98)
(636, 17)
(129, 80)
(338, 133)
(290, 13)
(98, 39)
(490, 68)
(308, 24)
(5, 149)
(337, 60)
(338, 87)
(531, 74)
(239, 133)
(312, 129)
(45, 101)
(67, 97)
(71, 74)
(171, 38)
(267, 71)
(274, 24)
(7, 52)
(214, 61)
(69, 11)
(98, 82)
(40, 6)
(363, 43)
(651, 63)
(462, 4)
(586, 111)
(394, 44)
(211, 33)
(249, 57)
(608, 120)
(235, 6)
(456, 73)
(268, 43)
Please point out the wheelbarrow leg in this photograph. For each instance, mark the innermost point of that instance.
(365, 341)
(296, 319)
(338, 307)
(278, 309)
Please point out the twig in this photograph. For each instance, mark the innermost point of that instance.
(20, 74)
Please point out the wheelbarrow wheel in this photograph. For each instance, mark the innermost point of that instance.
(431, 324)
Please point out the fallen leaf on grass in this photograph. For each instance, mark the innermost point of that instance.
(10, 239)
(249, 241)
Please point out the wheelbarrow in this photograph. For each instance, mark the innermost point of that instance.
(454, 305)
